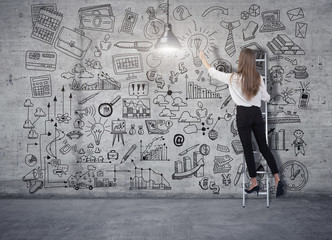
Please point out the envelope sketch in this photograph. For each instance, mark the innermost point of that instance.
(295, 14)
(301, 30)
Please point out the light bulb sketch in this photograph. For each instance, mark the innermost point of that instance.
(97, 130)
(196, 43)
(197, 39)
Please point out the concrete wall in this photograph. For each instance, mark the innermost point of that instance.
(181, 142)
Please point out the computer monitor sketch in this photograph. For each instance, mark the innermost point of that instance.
(127, 64)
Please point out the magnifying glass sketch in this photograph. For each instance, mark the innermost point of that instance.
(106, 109)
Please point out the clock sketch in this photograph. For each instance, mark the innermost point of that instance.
(294, 175)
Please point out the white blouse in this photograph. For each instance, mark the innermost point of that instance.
(236, 91)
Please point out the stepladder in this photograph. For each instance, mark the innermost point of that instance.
(262, 173)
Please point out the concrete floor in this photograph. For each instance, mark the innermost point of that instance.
(163, 219)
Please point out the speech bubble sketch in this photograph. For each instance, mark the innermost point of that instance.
(181, 13)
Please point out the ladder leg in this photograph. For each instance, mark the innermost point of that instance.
(243, 183)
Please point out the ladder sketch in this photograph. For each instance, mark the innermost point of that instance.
(260, 61)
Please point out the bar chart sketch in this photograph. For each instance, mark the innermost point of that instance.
(277, 140)
(154, 152)
(194, 91)
(147, 178)
(189, 167)
(136, 108)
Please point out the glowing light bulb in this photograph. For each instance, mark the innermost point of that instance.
(97, 130)
(196, 43)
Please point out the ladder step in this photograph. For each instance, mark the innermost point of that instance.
(261, 172)
(260, 60)
(260, 193)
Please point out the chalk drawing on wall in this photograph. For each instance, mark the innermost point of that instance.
(141, 46)
(205, 185)
(73, 43)
(279, 57)
(304, 95)
(153, 152)
(97, 52)
(118, 130)
(299, 143)
(283, 117)
(158, 126)
(282, 44)
(295, 14)
(97, 18)
(217, 9)
(105, 82)
(154, 28)
(41, 86)
(254, 10)
(230, 45)
(221, 164)
(197, 40)
(299, 72)
(301, 29)
(128, 153)
(94, 178)
(40, 60)
(226, 179)
(148, 179)
(277, 139)
(28, 123)
(31, 160)
(171, 104)
(244, 15)
(105, 44)
(222, 148)
(129, 21)
(271, 21)
(178, 140)
(294, 175)
(62, 117)
(276, 74)
(250, 30)
(33, 179)
(195, 91)
(136, 108)
(35, 9)
(91, 63)
(189, 166)
(196, 43)
(181, 13)
(138, 88)
(106, 109)
(284, 98)
(127, 64)
(214, 187)
(97, 129)
(46, 25)
(153, 59)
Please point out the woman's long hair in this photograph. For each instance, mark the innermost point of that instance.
(247, 70)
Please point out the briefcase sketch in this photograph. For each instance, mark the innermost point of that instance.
(99, 18)
(72, 42)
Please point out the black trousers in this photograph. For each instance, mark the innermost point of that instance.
(250, 119)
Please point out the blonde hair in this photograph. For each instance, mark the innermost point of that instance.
(250, 78)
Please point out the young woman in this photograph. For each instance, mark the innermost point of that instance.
(247, 90)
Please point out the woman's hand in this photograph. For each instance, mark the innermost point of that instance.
(201, 55)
